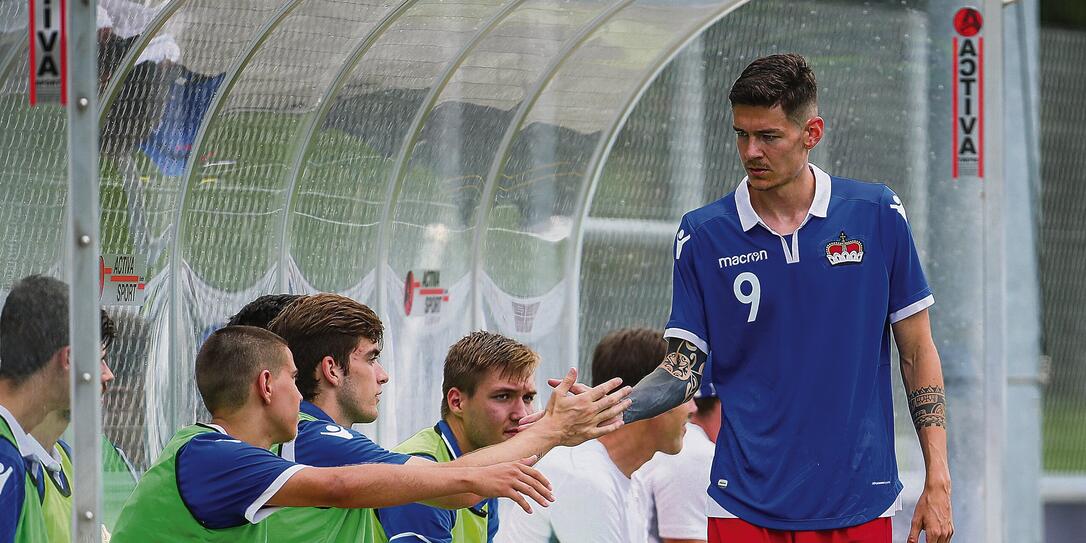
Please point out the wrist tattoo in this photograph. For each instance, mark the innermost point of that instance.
(928, 407)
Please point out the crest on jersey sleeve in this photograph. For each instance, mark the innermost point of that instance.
(845, 251)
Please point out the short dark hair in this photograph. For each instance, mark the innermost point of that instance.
(261, 311)
(33, 326)
(785, 80)
(479, 352)
(629, 353)
(108, 332)
(324, 325)
(229, 360)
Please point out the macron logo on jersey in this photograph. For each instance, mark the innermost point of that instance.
(4, 476)
(336, 431)
(743, 259)
(680, 239)
(899, 207)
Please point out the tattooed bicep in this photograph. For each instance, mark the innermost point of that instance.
(685, 362)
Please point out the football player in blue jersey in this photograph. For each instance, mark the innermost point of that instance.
(218, 481)
(336, 343)
(35, 362)
(488, 386)
(794, 283)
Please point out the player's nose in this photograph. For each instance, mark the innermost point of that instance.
(522, 409)
(107, 375)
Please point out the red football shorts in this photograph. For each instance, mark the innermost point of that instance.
(733, 530)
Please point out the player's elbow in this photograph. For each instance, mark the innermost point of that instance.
(337, 491)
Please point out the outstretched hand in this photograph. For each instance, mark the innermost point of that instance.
(580, 413)
(515, 480)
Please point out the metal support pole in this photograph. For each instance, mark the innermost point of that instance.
(995, 263)
(86, 405)
(1022, 469)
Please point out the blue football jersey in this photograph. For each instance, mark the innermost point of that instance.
(421, 523)
(799, 331)
(12, 488)
(226, 482)
(323, 443)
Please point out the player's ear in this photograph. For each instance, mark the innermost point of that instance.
(64, 358)
(813, 132)
(455, 399)
(329, 371)
(264, 386)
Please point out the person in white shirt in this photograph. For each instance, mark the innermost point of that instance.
(671, 488)
(592, 486)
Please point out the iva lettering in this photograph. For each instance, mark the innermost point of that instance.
(47, 40)
(968, 82)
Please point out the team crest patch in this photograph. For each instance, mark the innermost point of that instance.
(845, 251)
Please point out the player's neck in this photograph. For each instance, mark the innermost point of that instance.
(459, 432)
(327, 402)
(246, 426)
(628, 447)
(23, 402)
(785, 207)
(50, 429)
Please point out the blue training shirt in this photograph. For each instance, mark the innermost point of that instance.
(324, 444)
(12, 488)
(420, 523)
(226, 482)
(799, 331)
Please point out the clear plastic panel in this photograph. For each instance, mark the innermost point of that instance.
(34, 179)
(365, 131)
(322, 203)
(439, 204)
(148, 130)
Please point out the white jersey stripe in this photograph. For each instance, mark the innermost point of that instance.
(256, 511)
(912, 309)
(688, 336)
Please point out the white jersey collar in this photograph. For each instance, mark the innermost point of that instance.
(28, 446)
(819, 206)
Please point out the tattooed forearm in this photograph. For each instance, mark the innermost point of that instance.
(672, 383)
(928, 407)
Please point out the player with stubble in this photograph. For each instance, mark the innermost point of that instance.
(794, 282)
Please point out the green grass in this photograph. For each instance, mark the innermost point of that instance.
(1064, 433)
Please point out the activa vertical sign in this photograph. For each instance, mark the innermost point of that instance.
(48, 40)
(968, 101)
